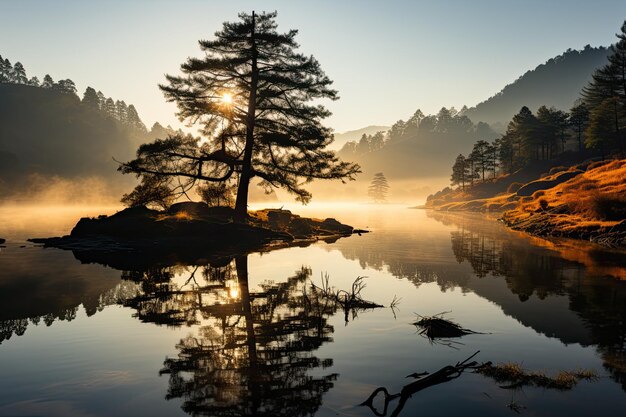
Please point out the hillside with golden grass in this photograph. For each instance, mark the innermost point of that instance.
(586, 201)
(591, 205)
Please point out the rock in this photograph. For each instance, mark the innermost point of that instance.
(333, 225)
(133, 221)
(279, 218)
(530, 188)
(301, 227)
(2, 241)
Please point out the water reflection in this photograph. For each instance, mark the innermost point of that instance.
(252, 352)
(42, 287)
(18, 326)
(263, 349)
(599, 301)
(541, 274)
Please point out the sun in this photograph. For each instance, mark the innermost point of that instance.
(233, 292)
(227, 98)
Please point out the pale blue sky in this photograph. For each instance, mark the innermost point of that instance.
(386, 58)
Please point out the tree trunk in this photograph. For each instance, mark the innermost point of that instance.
(241, 265)
(580, 136)
(241, 205)
(618, 136)
(254, 376)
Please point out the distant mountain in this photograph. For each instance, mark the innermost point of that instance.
(425, 146)
(354, 135)
(556, 83)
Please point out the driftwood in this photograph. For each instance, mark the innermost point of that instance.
(445, 374)
(511, 373)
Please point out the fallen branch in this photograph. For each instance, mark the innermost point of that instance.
(511, 373)
(445, 374)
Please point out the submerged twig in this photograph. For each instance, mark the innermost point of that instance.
(394, 305)
(515, 407)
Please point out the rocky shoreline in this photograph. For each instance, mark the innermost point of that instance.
(549, 224)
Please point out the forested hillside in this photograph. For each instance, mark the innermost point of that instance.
(418, 147)
(354, 135)
(48, 133)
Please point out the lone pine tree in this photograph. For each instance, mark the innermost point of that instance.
(378, 189)
(251, 96)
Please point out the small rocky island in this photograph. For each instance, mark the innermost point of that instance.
(194, 225)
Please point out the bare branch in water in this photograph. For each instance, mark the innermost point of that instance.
(350, 301)
(564, 380)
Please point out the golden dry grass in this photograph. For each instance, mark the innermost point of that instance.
(514, 374)
(591, 205)
(595, 198)
(180, 216)
(260, 215)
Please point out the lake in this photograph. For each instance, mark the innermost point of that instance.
(101, 334)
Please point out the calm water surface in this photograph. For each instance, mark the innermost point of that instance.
(101, 335)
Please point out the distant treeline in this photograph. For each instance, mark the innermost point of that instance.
(450, 124)
(54, 142)
(596, 122)
(118, 109)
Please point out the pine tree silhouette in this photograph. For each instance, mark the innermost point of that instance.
(378, 189)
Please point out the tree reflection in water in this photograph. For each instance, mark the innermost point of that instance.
(600, 301)
(58, 310)
(252, 353)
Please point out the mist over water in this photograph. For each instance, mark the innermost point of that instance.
(19, 222)
(56, 191)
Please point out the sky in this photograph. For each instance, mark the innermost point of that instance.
(387, 58)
